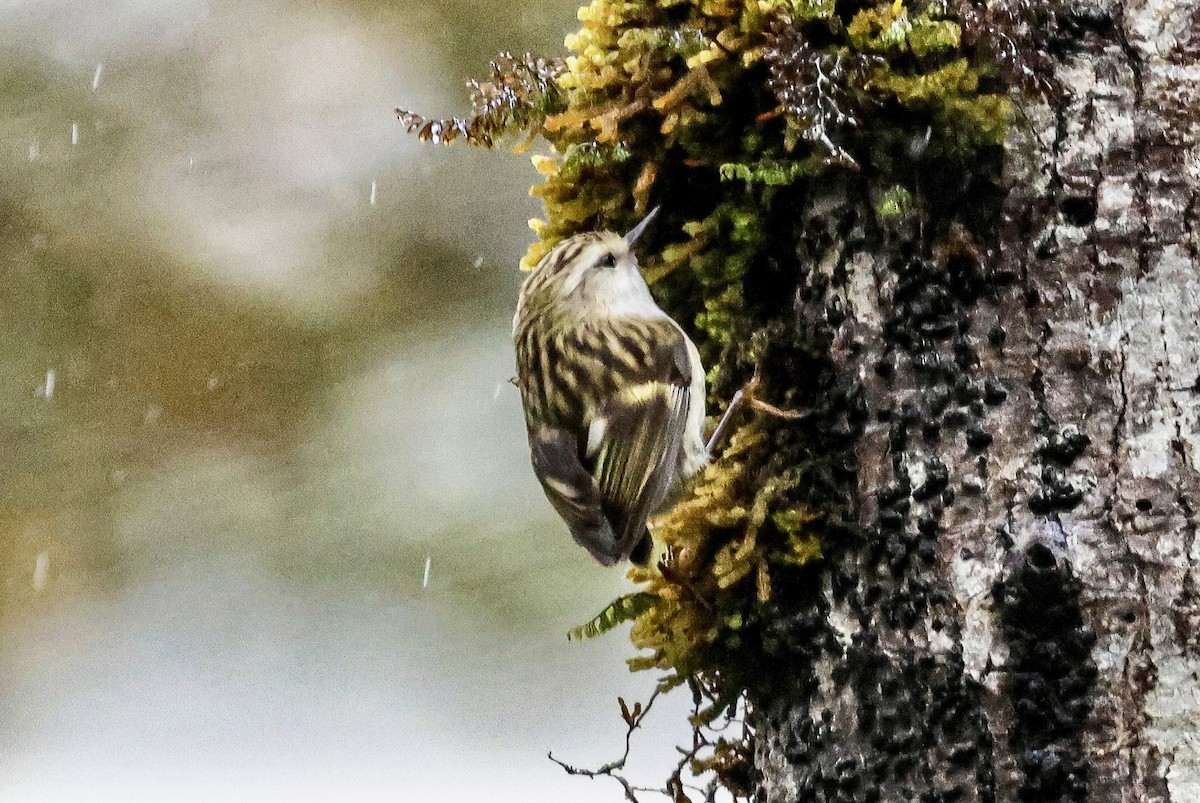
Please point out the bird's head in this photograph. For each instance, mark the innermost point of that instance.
(596, 273)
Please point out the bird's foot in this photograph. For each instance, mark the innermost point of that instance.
(745, 397)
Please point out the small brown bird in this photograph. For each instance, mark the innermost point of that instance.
(613, 392)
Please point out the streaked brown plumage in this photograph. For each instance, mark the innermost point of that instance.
(613, 392)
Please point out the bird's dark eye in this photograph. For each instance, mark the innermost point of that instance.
(606, 261)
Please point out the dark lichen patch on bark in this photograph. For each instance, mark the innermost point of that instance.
(902, 727)
(1060, 447)
(1052, 674)
(914, 716)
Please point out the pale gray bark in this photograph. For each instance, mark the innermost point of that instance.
(1023, 622)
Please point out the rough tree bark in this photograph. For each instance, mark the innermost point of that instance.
(1024, 621)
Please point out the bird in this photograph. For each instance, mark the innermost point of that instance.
(613, 392)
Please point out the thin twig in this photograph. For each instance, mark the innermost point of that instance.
(633, 721)
(704, 699)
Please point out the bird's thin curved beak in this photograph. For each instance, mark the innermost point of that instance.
(637, 230)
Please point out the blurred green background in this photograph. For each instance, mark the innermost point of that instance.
(254, 363)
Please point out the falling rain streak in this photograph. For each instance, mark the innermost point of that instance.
(96, 76)
(41, 566)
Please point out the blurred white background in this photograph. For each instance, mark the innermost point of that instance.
(254, 352)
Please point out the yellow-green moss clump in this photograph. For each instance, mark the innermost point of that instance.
(732, 115)
(716, 564)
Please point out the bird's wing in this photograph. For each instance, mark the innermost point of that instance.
(633, 442)
(606, 473)
(573, 492)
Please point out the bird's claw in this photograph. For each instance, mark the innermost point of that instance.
(744, 397)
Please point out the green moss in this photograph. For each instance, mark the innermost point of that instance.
(724, 540)
(894, 202)
(771, 172)
(929, 38)
(927, 89)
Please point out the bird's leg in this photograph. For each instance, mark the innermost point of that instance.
(735, 406)
(745, 398)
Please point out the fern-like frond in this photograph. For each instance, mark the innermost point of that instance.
(622, 609)
(522, 92)
(813, 87)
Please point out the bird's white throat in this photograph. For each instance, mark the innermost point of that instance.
(619, 292)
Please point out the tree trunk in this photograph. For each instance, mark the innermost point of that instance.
(1022, 620)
